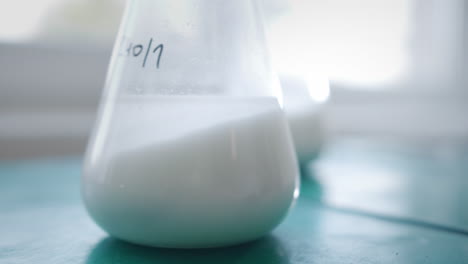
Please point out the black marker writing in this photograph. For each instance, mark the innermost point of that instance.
(160, 47)
(135, 50)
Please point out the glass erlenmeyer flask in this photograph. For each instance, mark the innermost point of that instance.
(191, 147)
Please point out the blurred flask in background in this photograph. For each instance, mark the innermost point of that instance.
(303, 78)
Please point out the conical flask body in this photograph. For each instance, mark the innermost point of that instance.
(191, 147)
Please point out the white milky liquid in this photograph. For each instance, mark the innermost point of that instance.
(191, 171)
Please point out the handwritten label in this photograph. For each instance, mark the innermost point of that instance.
(149, 52)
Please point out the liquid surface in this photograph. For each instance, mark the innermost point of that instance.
(191, 172)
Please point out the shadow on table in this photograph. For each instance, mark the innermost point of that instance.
(265, 250)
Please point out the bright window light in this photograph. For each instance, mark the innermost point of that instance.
(358, 42)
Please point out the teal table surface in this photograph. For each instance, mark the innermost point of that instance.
(425, 183)
(361, 202)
